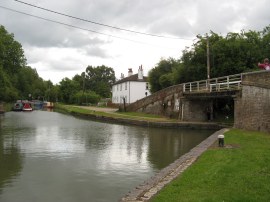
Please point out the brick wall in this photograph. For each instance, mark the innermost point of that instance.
(163, 102)
(170, 102)
(252, 105)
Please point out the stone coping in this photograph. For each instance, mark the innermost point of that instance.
(156, 123)
(152, 186)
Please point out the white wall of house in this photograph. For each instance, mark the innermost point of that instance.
(130, 90)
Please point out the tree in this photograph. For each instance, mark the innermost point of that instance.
(68, 88)
(160, 76)
(81, 97)
(265, 42)
(235, 53)
(7, 92)
(99, 79)
(17, 80)
(11, 53)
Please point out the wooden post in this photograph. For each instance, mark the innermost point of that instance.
(208, 57)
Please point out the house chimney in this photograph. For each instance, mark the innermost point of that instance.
(122, 76)
(140, 73)
(130, 72)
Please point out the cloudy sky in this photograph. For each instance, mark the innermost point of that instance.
(120, 34)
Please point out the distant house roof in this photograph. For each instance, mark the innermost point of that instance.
(133, 77)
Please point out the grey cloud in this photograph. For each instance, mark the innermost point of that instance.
(96, 52)
(156, 16)
(179, 18)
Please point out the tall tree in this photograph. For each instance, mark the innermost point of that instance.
(11, 53)
(7, 92)
(68, 89)
(161, 75)
(17, 80)
(99, 79)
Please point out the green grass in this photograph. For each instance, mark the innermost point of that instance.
(139, 114)
(126, 115)
(70, 109)
(241, 173)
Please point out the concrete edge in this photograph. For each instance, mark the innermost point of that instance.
(144, 123)
(152, 186)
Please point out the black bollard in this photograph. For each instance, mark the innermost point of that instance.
(221, 140)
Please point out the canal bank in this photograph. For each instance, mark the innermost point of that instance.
(152, 186)
(110, 115)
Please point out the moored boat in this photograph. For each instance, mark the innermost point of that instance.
(48, 104)
(37, 104)
(18, 106)
(27, 107)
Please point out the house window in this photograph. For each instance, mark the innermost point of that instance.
(126, 86)
(147, 86)
(117, 87)
(120, 87)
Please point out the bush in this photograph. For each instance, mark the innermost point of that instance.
(85, 98)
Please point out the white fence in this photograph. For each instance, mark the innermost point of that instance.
(226, 83)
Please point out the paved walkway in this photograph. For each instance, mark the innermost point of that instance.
(152, 186)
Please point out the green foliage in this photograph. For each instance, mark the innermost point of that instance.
(51, 91)
(11, 52)
(17, 80)
(68, 88)
(99, 79)
(7, 92)
(235, 53)
(160, 76)
(85, 98)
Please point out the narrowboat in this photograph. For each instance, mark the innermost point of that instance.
(18, 106)
(27, 107)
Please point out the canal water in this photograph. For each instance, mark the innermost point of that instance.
(49, 156)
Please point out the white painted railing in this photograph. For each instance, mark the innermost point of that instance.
(226, 83)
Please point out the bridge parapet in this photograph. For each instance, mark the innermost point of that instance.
(225, 83)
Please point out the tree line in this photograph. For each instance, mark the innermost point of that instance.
(231, 54)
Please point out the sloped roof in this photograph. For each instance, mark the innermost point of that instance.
(133, 77)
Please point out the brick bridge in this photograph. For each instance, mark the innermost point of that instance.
(189, 101)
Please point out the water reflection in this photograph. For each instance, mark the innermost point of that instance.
(11, 160)
(166, 146)
(54, 157)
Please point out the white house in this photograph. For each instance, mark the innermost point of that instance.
(131, 88)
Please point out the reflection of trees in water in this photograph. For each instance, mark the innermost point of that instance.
(10, 161)
(165, 148)
(99, 138)
(127, 143)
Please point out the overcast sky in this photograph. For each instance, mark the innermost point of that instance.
(58, 51)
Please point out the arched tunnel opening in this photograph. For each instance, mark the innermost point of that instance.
(223, 110)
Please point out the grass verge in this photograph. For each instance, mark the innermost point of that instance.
(125, 115)
(238, 172)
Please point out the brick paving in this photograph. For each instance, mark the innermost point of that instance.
(152, 186)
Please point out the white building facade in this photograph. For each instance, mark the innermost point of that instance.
(132, 88)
